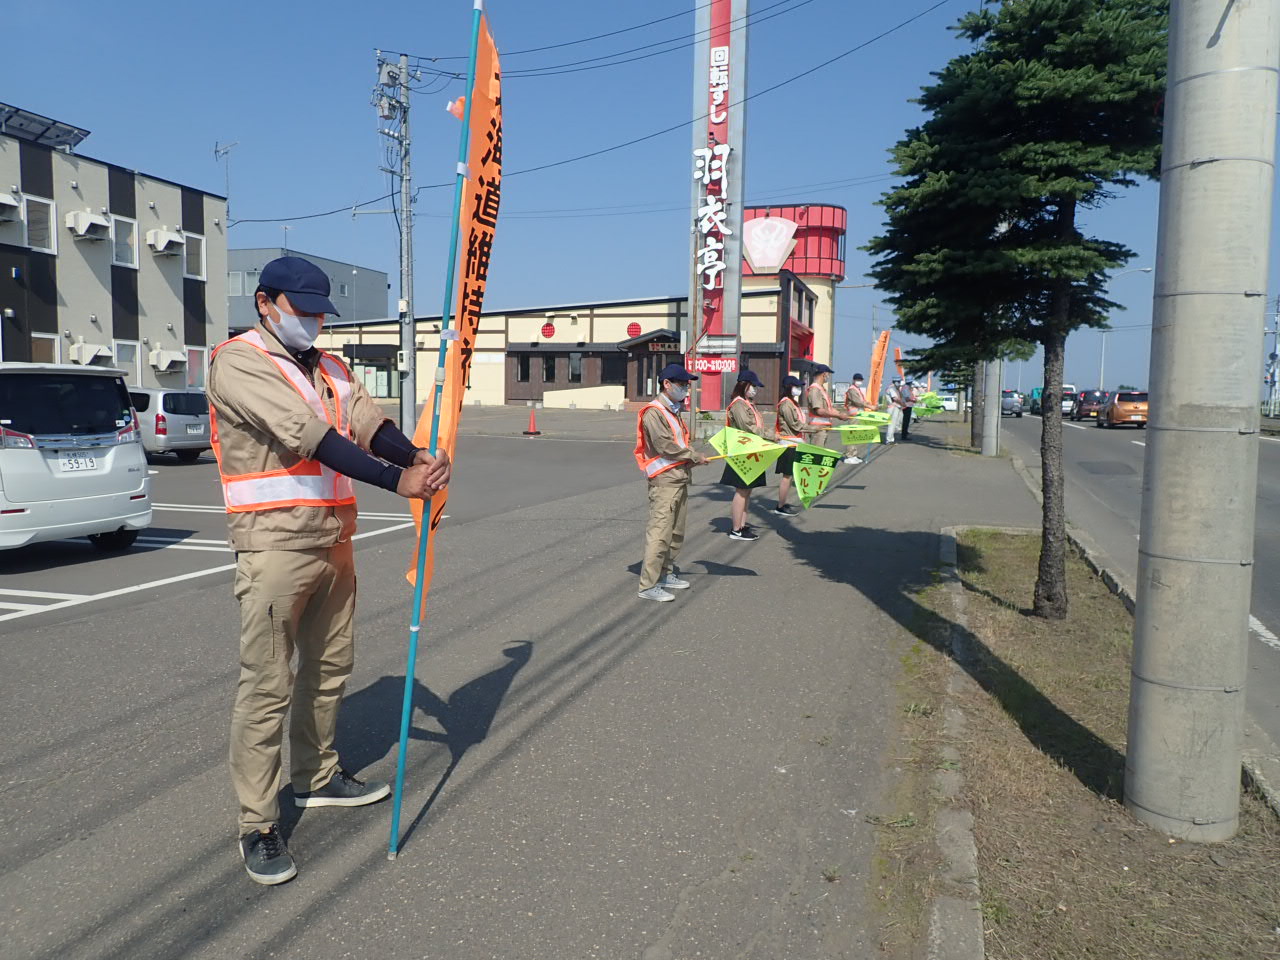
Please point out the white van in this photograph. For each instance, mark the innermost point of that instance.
(71, 458)
(1068, 397)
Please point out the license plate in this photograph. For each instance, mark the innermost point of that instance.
(195, 428)
(1137, 416)
(71, 462)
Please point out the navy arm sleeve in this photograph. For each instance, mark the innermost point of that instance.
(392, 445)
(338, 453)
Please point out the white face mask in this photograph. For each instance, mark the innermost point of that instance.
(858, 384)
(678, 391)
(795, 392)
(296, 333)
(751, 393)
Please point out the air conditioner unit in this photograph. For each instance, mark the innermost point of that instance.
(165, 243)
(86, 354)
(87, 225)
(166, 360)
(10, 208)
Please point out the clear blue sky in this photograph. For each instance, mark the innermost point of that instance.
(158, 83)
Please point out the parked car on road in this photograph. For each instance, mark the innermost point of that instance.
(1010, 403)
(71, 460)
(949, 402)
(1125, 408)
(173, 421)
(1088, 404)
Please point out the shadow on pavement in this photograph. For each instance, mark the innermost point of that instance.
(905, 564)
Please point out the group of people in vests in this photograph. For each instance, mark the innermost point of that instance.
(664, 452)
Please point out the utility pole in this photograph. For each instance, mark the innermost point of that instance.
(408, 328)
(993, 370)
(1102, 363)
(1195, 559)
(978, 392)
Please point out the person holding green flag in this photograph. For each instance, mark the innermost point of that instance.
(791, 426)
(743, 415)
(855, 402)
(822, 413)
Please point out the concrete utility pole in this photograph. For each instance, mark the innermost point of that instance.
(978, 392)
(1187, 699)
(408, 331)
(993, 370)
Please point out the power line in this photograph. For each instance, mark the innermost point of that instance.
(682, 42)
(628, 143)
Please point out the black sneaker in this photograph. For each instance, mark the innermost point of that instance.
(266, 858)
(343, 790)
(785, 511)
(745, 533)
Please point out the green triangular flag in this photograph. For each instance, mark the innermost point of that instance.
(859, 433)
(872, 416)
(812, 470)
(746, 453)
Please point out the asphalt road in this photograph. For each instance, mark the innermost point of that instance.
(1104, 498)
(590, 776)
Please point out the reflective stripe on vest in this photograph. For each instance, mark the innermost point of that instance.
(816, 420)
(309, 483)
(779, 426)
(754, 413)
(652, 466)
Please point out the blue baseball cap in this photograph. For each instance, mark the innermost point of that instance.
(790, 381)
(749, 376)
(676, 371)
(305, 284)
(822, 368)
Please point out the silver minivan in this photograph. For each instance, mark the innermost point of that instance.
(173, 421)
(71, 459)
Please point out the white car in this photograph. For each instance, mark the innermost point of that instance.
(1068, 397)
(71, 458)
(949, 402)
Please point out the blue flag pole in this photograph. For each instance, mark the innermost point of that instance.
(446, 319)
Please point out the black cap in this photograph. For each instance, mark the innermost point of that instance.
(749, 376)
(789, 381)
(305, 284)
(822, 368)
(676, 371)
(857, 376)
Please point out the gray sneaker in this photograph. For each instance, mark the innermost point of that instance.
(656, 593)
(672, 582)
(266, 857)
(343, 790)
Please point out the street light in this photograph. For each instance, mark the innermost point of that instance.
(1102, 361)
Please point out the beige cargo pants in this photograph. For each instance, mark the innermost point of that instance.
(291, 601)
(664, 533)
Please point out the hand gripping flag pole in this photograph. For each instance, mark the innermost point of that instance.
(446, 318)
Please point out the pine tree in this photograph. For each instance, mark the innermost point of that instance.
(1055, 108)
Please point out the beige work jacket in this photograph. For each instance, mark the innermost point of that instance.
(264, 424)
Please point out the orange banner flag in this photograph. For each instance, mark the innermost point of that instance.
(478, 219)
(897, 361)
(878, 356)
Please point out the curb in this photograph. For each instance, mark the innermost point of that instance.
(1260, 760)
(955, 917)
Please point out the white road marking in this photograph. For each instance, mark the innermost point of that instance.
(41, 594)
(507, 436)
(1073, 426)
(152, 473)
(1271, 439)
(1138, 442)
(75, 600)
(1265, 635)
(216, 543)
(20, 606)
(176, 545)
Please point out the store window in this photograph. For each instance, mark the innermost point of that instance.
(522, 367)
(235, 284)
(575, 368)
(549, 368)
(613, 368)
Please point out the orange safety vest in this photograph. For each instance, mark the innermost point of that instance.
(309, 483)
(816, 420)
(754, 413)
(862, 397)
(652, 466)
(778, 425)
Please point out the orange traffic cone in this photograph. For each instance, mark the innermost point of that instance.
(533, 430)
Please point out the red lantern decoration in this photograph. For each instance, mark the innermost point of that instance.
(548, 330)
(633, 329)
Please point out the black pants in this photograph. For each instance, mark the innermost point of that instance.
(906, 422)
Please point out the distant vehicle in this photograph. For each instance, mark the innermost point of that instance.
(1035, 399)
(949, 402)
(1088, 404)
(1010, 403)
(1068, 393)
(1125, 408)
(71, 459)
(173, 421)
